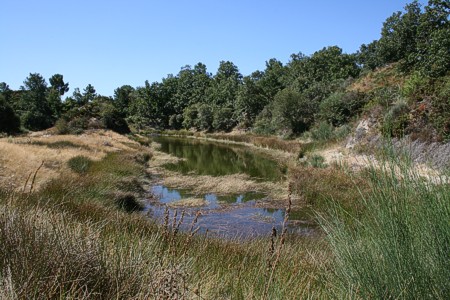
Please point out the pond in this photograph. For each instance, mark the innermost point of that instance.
(216, 159)
(234, 215)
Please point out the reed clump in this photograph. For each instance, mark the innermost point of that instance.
(399, 248)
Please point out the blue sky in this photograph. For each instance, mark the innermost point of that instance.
(112, 43)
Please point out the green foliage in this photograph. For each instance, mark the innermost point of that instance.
(325, 65)
(99, 113)
(317, 161)
(205, 117)
(57, 83)
(323, 131)
(264, 123)
(415, 87)
(123, 97)
(10, 122)
(396, 120)
(417, 38)
(399, 248)
(250, 100)
(223, 119)
(79, 164)
(441, 109)
(34, 109)
(384, 96)
(292, 112)
(112, 119)
(339, 107)
(62, 127)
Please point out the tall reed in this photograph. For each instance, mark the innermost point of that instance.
(400, 247)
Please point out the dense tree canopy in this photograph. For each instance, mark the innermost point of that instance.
(282, 99)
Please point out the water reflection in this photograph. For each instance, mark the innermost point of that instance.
(206, 158)
(231, 216)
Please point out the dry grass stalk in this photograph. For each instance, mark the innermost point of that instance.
(275, 256)
(192, 231)
(34, 177)
(166, 224)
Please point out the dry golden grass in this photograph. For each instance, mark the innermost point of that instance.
(189, 202)
(386, 76)
(223, 185)
(22, 155)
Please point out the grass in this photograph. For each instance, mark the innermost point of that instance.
(399, 248)
(79, 164)
(100, 250)
(387, 236)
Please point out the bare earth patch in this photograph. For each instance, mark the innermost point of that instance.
(20, 156)
(346, 157)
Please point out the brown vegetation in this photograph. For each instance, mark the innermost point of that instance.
(21, 155)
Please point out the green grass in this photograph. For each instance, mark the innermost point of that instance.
(80, 164)
(400, 247)
(99, 249)
(77, 238)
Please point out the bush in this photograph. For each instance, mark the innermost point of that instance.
(10, 122)
(112, 119)
(415, 87)
(317, 161)
(128, 202)
(293, 113)
(35, 120)
(322, 132)
(62, 127)
(396, 120)
(339, 107)
(80, 164)
(441, 110)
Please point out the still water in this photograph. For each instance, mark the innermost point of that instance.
(216, 159)
(226, 216)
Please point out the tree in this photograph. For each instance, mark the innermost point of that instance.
(292, 112)
(123, 97)
(57, 83)
(251, 100)
(35, 111)
(6, 92)
(10, 122)
(89, 94)
(271, 81)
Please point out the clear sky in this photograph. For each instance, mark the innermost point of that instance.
(112, 43)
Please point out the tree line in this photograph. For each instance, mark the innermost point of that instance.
(286, 99)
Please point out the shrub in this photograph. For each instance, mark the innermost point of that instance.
(396, 120)
(80, 164)
(384, 96)
(415, 87)
(441, 110)
(317, 161)
(339, 107)
(128, 202)
(62, 127)
(35, 120)
(10, 122)
(112, 119)
(293, 112)
(322, 131)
